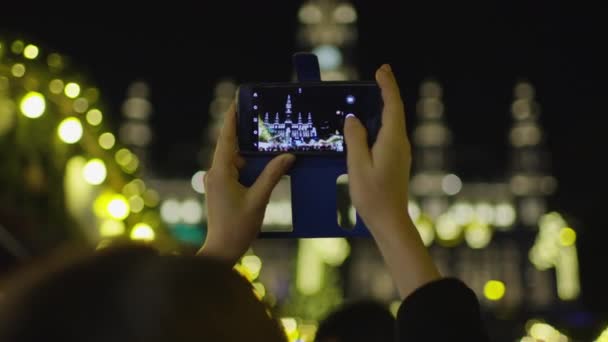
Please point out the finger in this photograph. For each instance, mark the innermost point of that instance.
(358, 156)
(260, 191)
(226, 142)
(393, 114)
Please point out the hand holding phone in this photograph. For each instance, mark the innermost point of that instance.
(304, 118)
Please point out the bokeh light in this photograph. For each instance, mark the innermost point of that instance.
(142, 232)
(33, 105)
(72, 90)
(118, 207)
(70, 130)
(31, 51)
(94, 172)
(494, 290)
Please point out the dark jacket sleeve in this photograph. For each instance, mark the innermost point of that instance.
(444, 310)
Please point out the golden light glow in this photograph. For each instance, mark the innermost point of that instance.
(504, 215)
(107, 140)
(70, 130)
(17, 47)
(123, 157)
(143, 232)
(33, 105)
(545, 332)
(111, 228)
(603, 336)
(94, 172)
(80, 105)
(253, 264)
(136, 203)
(259, 290)
(30, 51)
(132, 165)
(425, 229)
(567, 236)
(101, 203)
(72, 90)
(18, 70)
(567, 274)
(151, 198)
(56, 86)
(494, 290)
(477, 235)
(448, 230)
(309, 268)
(94, 117)
(118, 207)
(291, 328)
(333, 251)
(134, 187)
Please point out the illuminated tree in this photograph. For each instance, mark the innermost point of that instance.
(64, 177)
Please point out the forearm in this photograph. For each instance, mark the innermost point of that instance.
(406, 257)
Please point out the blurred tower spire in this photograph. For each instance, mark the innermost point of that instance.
(327, 28)
(530, 179)
(432, 139)
(135, 132)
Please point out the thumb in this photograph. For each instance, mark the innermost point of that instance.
(358, 153)
(260, 191)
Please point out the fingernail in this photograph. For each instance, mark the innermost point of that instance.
(350, 115)
(387, 67)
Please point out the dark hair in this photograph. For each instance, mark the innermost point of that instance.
(362, 320)
(133, 294)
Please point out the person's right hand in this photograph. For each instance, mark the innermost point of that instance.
(378, 178)
(378, 183)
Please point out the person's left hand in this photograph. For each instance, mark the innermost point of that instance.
(235, 212)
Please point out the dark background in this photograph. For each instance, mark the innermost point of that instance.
(476, 51)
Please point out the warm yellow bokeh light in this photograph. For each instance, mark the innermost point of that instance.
(477, 235)
(18, 70)
(291, 327)
(143, 232)
(94, 117)
(494, 289)
(107, 140)
(94, 172)
(567, 236)
(110, 228)
(118, 207)
(33, 105)
(136, 203)
(259, 290)
(31, 51)
(70, 130)
(123, 156)
(17, 47)
(80, 105)
(253, 264)
(56, 86)
(72, 90)
(425, 229)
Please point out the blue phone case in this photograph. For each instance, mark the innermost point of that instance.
(313, 181)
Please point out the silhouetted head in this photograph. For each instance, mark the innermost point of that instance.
(358, 321)
(133, 294)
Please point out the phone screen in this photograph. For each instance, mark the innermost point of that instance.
(302, 118)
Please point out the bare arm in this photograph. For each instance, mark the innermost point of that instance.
(378, 181)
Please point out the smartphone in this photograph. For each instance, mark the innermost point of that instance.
(304, 118)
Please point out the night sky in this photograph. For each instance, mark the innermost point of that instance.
(477, 52)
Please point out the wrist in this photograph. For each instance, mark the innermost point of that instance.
(216, 249)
